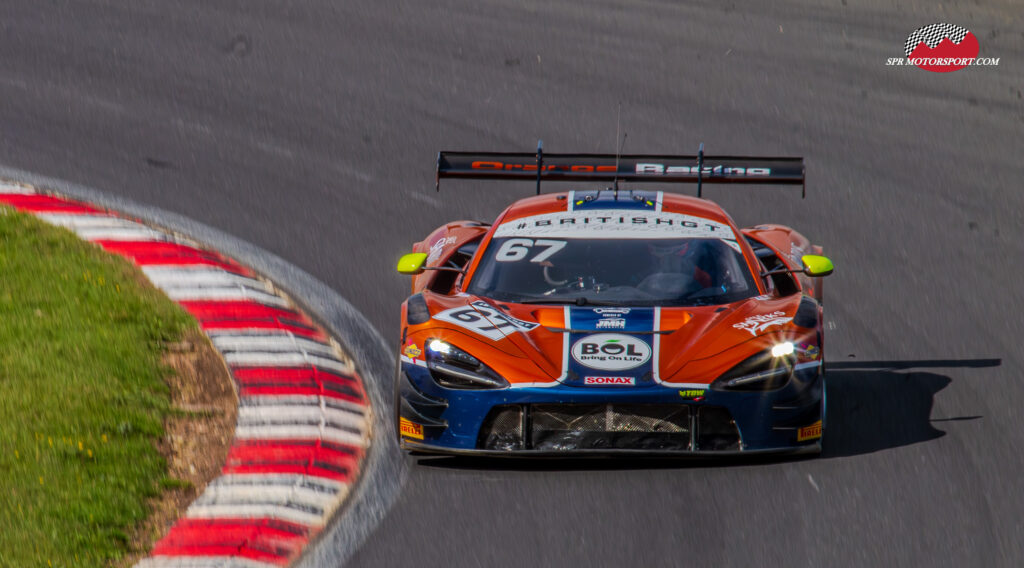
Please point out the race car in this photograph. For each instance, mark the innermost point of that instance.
(608, 319)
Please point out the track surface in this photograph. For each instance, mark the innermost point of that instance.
(310, 129)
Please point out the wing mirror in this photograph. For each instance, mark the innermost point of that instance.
(815, 265)
(412, 263)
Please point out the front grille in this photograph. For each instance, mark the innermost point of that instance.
(503, 429)
(716, 430)
(609, 426)
(566, 427)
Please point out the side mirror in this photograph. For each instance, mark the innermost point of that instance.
(815, 265)
(412, 263)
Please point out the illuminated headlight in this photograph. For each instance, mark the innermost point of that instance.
(782, 349)
(453, 368)
(768, 370)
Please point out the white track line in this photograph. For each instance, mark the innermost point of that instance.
(286, 360)
(300, 416)
(121, 234)
(175, 277)
(103, 227)
(87, 221)
(16, 189)
(238, 293)
(283, 511)
(253, 332)
(310, 400)
(313, 483)
(277, 495)
(276, 343)
(302, 432)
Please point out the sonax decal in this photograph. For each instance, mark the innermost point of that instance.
(609, 381)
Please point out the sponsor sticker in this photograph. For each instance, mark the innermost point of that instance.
(662, 169)
(695, 395)
(482, 319)
(611, 352)
(412, 351)
(611, 318)
(796, 253)
(609, 380)
(606, 323)
(812, 432)
(606, 224)
(438, 247)
(759, 323)
(410, 429)
(809, 351)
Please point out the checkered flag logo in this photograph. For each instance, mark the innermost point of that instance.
(933, 34)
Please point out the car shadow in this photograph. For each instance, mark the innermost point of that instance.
(877, 405)
(872, 406)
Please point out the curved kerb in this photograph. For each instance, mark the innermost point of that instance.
(311, 385)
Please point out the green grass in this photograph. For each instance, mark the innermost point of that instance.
(82, 397)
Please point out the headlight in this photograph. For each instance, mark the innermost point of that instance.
(767, 370)
(453, 368)
(782, 349)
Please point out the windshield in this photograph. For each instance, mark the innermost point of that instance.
(620, 271)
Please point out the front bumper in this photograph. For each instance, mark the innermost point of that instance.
(598, 421)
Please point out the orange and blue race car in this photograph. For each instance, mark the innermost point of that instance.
(612, 320)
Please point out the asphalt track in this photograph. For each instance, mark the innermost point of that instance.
(310, 129)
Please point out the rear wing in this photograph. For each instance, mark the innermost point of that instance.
(698, 169)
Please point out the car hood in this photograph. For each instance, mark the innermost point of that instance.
(620, 346)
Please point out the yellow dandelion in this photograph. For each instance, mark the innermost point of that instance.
(80, 448)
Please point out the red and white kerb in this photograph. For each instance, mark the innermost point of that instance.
(303, 417)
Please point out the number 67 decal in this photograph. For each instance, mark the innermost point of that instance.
(514, 250)
(485, 320)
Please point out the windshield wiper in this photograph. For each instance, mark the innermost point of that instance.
(581, 301)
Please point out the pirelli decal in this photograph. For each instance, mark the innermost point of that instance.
(812, 432)
(410, 429)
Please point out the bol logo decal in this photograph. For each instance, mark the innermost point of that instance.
(942, 48)
(611, 352)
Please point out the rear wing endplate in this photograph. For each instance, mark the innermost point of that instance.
(698, 169)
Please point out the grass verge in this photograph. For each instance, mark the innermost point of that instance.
(82, 396)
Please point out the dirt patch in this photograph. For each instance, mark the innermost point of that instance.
(197, 435)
